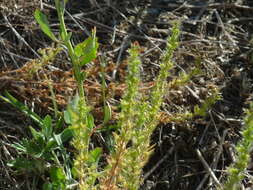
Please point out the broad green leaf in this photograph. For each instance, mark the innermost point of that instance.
(59, 123)
(34, 148)
(36, 134)
(70, 116)
(94, 155)
(51, 144)
(44, 24)
(57, 174)
(75, 172)
(87, 50)
(47, 128)
(67, 116)
(64, 136)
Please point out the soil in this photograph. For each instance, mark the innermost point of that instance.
(218, 33)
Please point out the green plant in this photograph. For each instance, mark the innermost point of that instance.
(39, 154)
(138, 118)
(41, 148)
(77, 114)
(243, 149)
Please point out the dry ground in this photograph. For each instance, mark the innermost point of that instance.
(218, 33)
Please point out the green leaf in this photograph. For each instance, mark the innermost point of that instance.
(47, 186)
(90, 121)
(75, 172)
(57, 174)
(34, 148)
(21, 164)
(47, 128)
(94, 155)
(67, 116)
(69, 35)
(36, 134)
(70, 115)
(59, 123)
(13, 101)
(51, 144)
(87, 50)
(19, 147)
(74, 103)
(25, 165)
(64, 136)
(44, 24)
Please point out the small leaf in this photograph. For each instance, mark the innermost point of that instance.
(19, 147)
(64, 136)
(67, 117)
(68, 36)
(47, 128)
(75, 172)
(90, 121)
(59, 123)
(87, 50)
(51, 144)
(94, 155)
(25, 165)
(36, 135)
(57, 174)
(34, 148)
(44, 24)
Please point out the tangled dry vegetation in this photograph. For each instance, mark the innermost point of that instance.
(188, 153)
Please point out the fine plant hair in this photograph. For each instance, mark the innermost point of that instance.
(243, 149)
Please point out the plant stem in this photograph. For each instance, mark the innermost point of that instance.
(67, 43)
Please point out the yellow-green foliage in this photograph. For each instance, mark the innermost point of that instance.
(236, 170)
(137, 122)
(115, 175)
